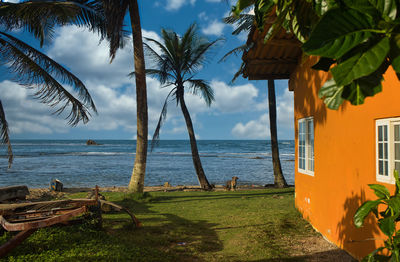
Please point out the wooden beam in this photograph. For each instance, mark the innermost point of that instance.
(281, 42)
(268, 76)
(272, 61)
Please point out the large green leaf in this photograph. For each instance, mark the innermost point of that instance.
(396, 178)
(356, 92)
(324, 64)
(394, 53)
(380, 191)
(337, 32)
(363, 211)
(387, 8)
(394, 203)
(361, 63)
(332, 94)
(387, 226)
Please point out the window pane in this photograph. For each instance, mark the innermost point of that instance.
(386, 151)
(386, 168)
(380, 136)
(396, 132)
(380, 167)
(385, 132)
(397, 166)
(397, 151)
(380, 154)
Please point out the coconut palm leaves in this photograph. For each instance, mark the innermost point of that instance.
(33, 69)
(176, 64)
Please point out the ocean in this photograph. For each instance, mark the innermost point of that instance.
(37, 162)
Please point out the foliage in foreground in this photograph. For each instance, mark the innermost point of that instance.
(387, 220)
(252, 225)
(357, 41)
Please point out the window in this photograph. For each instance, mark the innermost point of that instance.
(387, 149)
(306, 146)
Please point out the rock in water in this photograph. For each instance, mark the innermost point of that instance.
(91, 143)
(13, 192)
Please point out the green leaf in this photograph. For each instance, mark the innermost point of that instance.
(324, 64)
(394, 204)
(380, 191)
(396, 178)
(363, 211)
(361, 64)
(337, 32)
(394, 52)
(356, 92)
(332, 94)
(387, 8)
(241, 5)
(387, 226)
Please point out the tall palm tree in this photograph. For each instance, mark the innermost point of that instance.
(176, 64)
(115, 12)
(245, 23)
(32, 68)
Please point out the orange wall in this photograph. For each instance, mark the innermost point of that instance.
(344, 144)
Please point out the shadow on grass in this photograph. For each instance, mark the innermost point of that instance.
(219, 195)
(164, 237)
(336, 255)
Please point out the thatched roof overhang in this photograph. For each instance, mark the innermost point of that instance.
(275, 59)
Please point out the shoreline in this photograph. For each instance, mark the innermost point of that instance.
(47, 194)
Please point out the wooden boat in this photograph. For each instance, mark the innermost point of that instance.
(28, 217)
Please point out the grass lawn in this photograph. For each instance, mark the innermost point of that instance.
(254, 225)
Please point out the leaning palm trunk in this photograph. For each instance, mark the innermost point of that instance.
(204, 184)
(139, 170)
(279, 179)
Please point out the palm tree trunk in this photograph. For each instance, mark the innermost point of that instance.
(279, 179)
(204, 184)
(139, 170)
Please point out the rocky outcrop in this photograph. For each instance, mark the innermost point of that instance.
(91, 143)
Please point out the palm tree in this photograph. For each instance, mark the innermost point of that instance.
(115, 12)
(176, 64)
(245, 23)
(32, 68)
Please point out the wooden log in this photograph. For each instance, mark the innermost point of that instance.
(13, 192)
(15, 241)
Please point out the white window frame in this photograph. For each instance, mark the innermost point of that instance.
(308, 170)
(389, 123)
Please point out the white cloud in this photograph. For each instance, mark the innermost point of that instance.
(216, 28)
(259, 129)
(232, 99)
(254, 129)
(173, 5)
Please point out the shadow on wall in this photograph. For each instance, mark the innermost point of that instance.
(357, 241)
(306, 83)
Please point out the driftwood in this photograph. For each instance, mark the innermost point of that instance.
(28, 217)
(13, 192)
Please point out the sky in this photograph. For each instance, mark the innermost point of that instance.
(240, 110)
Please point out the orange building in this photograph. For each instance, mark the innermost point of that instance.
(338, 152)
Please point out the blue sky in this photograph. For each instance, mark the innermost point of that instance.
(240, 110)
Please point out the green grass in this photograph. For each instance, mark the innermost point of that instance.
(254, 225)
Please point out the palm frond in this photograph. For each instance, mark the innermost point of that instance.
(161, 75)
(40, 17)
(236, 51)
(52, 67)
(30, 74)
(114, 12)
(163, 116)
(4, 137)
(206, 92)
(198, 56)
(238, 73)
(244, 22)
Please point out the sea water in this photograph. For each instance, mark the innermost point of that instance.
(37, 162)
